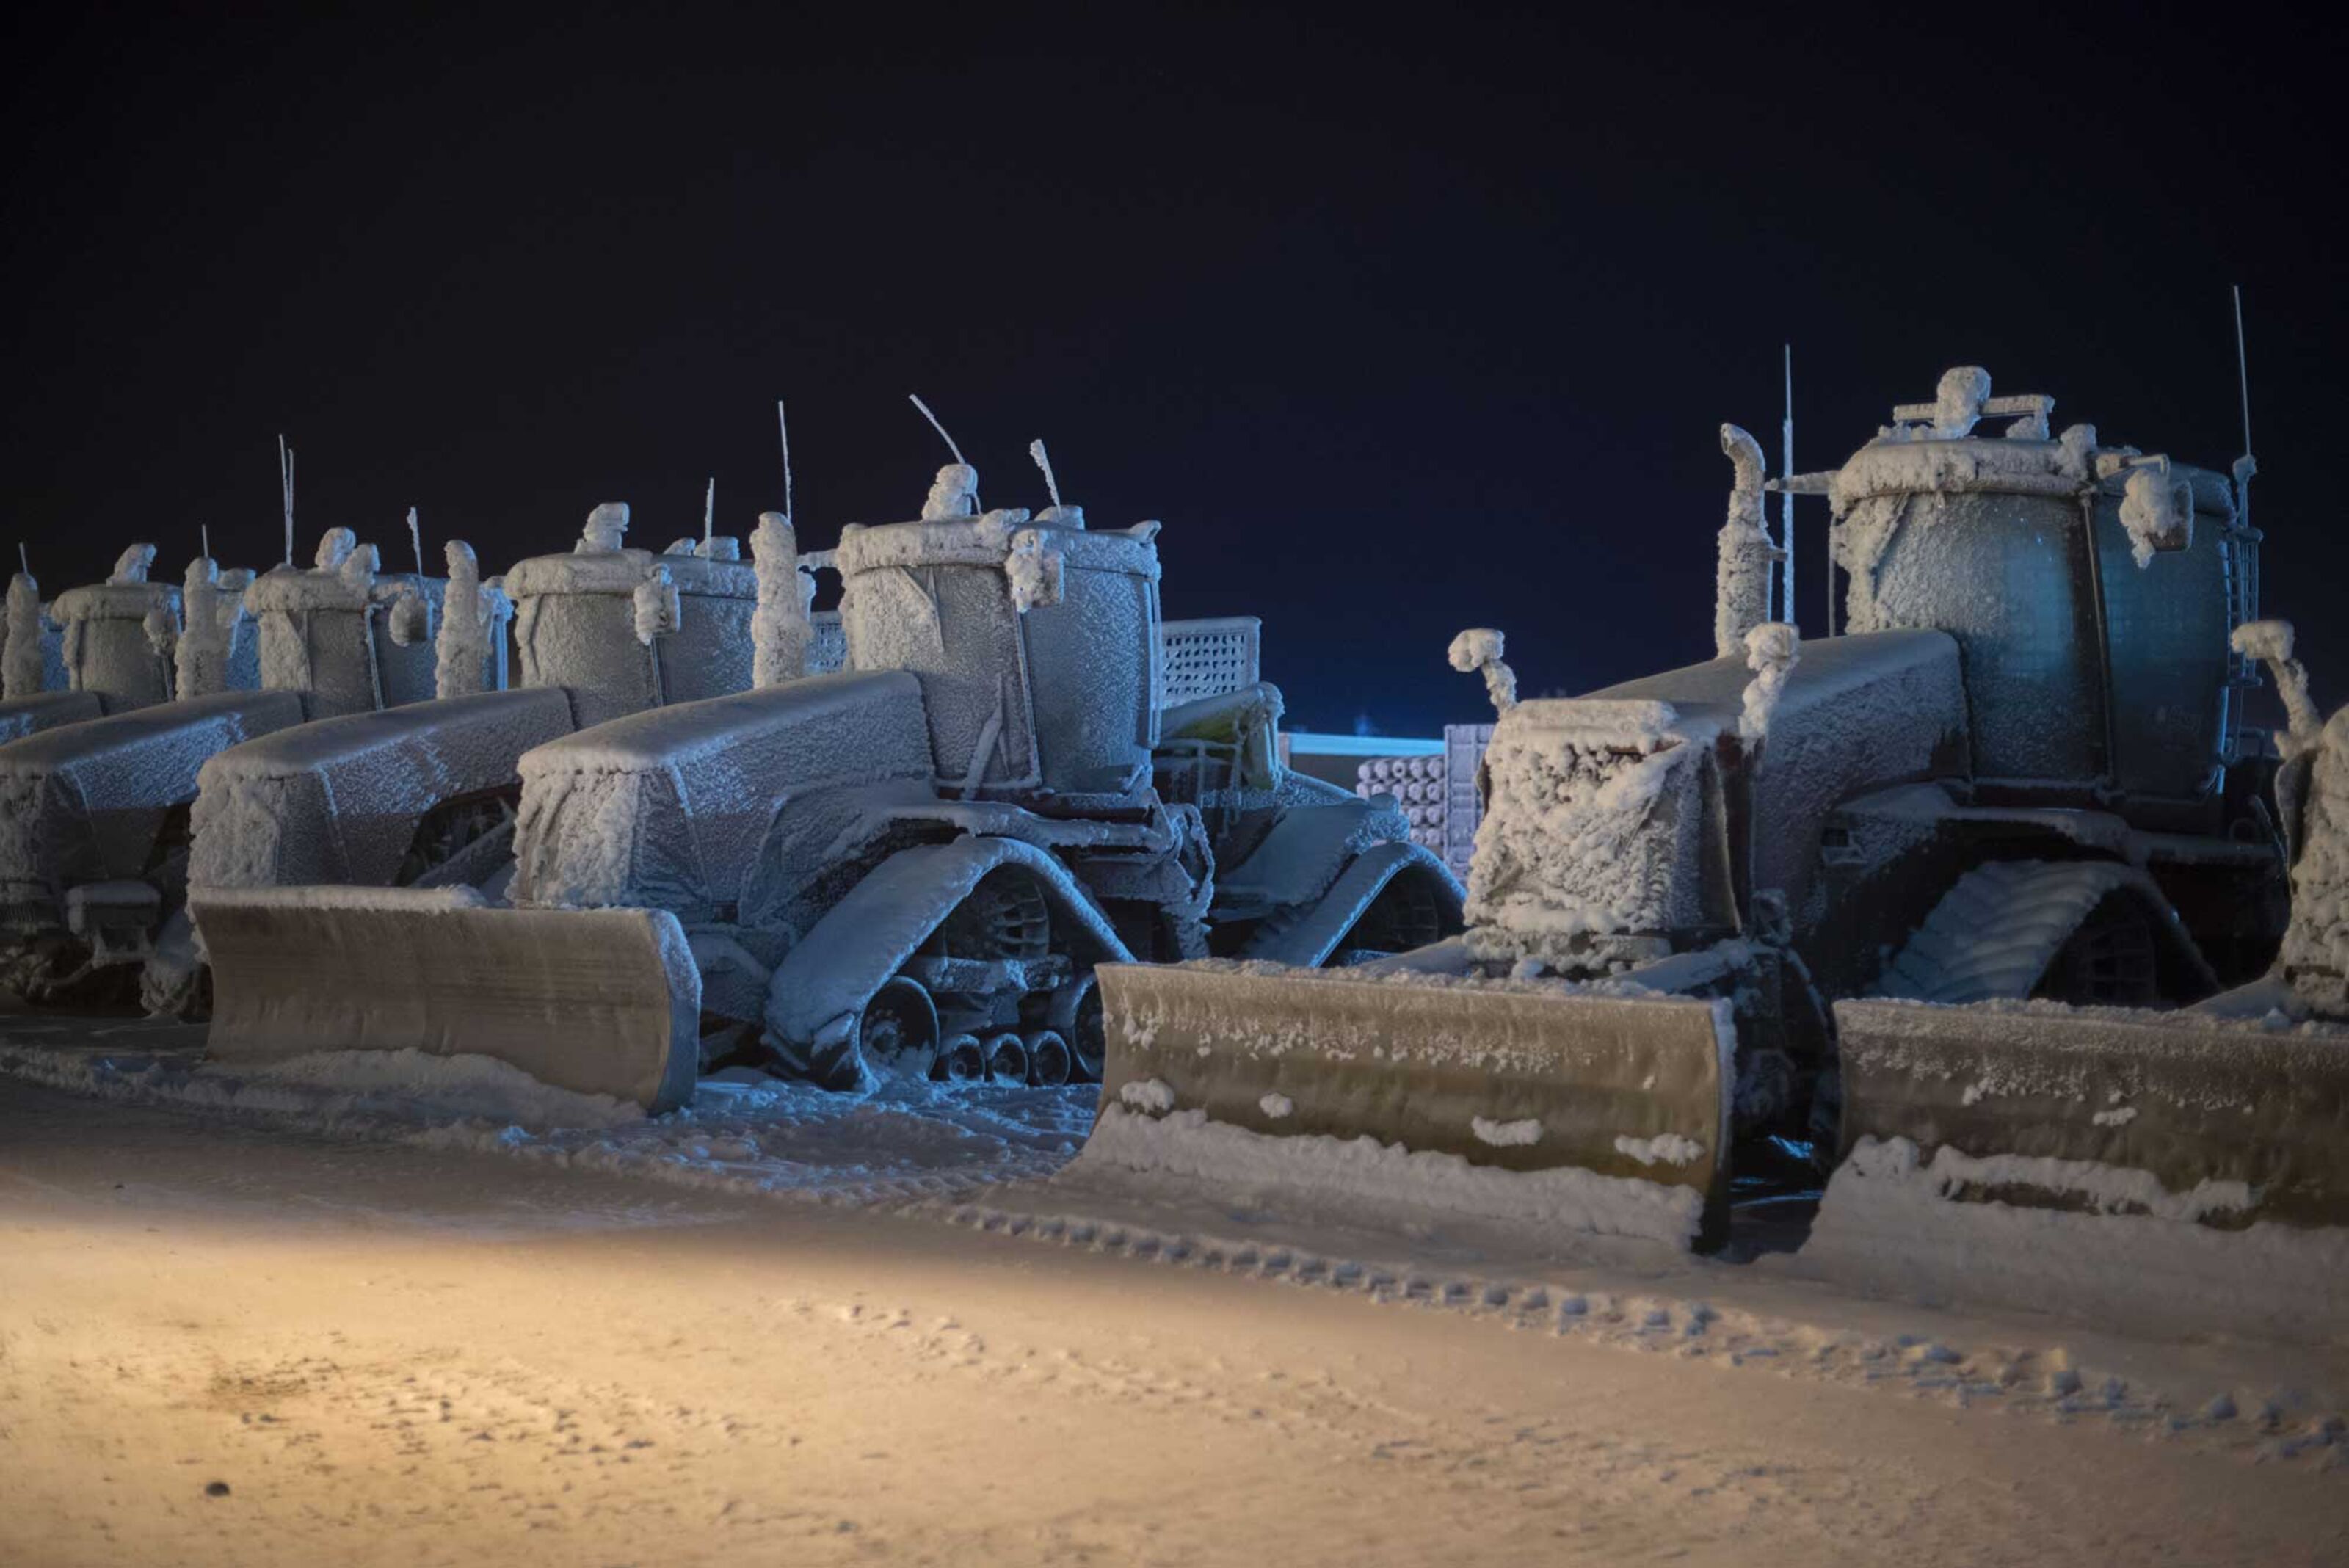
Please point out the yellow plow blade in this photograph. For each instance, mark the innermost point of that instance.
(603, 1002)
(1507, 1082)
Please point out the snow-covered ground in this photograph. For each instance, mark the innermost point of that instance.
(745, 1132)
(227, 1339)
(995, 1165)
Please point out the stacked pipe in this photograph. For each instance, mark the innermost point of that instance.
(1419, 787)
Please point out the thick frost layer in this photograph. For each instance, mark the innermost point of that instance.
(779, 632)
(1741, 573)
(2156, 511)
(111, 641)
(84, 804)
(1880, 708)
(1391, 1179)
(20, 661)
(46, 711)
(1059, 694)
(1595, 814)
(212, 620)
(1772, 651)
(1478, 649)
(2316, 945)
(1890, 1224)
(318, 635)
(1592, 813)
(339, 800)
(667, 809)
(469, 614)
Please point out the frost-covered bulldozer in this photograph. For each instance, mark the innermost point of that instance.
(95, 811)
(422, 793)
(1843, 895)
(912, 866)
(103, 649)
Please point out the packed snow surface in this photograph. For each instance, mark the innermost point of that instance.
(743, 1132)
(2136, 1254)
(389, 1355)
(1389, 1178)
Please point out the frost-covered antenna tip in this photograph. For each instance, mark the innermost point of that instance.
(285, 485)
(1044, 461)
(2242, 369)
(415, 540)
(918, 402)
(204, 539)
(784, 428)
(24, 561)
(709, 509)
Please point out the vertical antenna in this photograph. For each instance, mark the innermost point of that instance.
(24, 560)
(415, 541)
(2242, 369)
(1051, 485)
(945, 438)
(1786, 495)
(286, 482)
(205, 529)
(2245, 465)
(938, 427)
(784, 427)
(709, 508)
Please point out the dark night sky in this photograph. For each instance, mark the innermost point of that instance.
(1401, 323)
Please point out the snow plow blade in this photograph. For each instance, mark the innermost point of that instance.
(2192, 1103)
(1571, 1112)
(2094, 1161)
(603, 1002)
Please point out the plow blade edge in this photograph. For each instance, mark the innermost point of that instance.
(602, 1002)
(2257, 1123)
(2166, 1170)
(1608, 1092)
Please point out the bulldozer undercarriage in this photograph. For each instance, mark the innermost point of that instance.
(987, 999)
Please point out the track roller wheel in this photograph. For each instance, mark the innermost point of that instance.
(960, 1060)
(1049, 1061)
(1007, 1059)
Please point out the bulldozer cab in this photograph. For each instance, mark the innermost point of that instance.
(1036, 645)
(624, 629)
(109, 643)
(2092, 590)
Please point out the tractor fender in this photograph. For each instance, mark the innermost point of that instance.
(824, 982)
(1307, 942)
